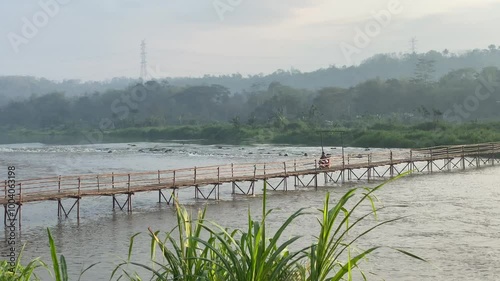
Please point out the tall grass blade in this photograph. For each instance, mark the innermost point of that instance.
(64, 269)
(53, 254)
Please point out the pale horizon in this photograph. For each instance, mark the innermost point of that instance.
(99, 41)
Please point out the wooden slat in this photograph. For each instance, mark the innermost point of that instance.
(47, 188)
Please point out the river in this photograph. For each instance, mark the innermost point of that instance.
(451, 219)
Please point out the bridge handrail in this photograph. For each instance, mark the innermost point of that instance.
(456, 146)
(78, 184)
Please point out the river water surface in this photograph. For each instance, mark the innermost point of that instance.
(451, 219)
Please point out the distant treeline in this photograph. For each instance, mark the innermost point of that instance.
(383, 66)
(362, 133)
(459, 96)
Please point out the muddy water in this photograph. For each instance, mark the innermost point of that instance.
(450, 219)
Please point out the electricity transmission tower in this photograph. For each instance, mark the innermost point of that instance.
(144, 63)
(413, 45)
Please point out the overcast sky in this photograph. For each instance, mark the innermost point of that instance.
(100, 39)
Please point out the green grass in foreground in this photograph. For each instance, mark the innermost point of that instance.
(198, 249)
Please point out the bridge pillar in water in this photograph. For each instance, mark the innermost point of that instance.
(61, 211)
(283, 182)
(12, 213)
(463, 158)
(128, 202)
(173, 195)
(215, 191)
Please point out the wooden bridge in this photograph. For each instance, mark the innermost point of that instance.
(242, 177)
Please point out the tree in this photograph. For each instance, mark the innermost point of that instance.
(235, 121)
(207, 102)
(332, 103)
(424, 71)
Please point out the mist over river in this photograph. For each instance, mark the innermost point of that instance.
(452, 219)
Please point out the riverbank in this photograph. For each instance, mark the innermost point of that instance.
(378, 135)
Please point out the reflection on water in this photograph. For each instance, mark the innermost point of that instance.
(451, 219)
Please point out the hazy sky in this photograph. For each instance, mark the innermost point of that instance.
(100, 39)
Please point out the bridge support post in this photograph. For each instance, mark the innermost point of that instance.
(129, 195)
(295, 172)
(284, 182)
(61, 211)
(215, 191)
(316, 174)
(463, 158)
(492, 155)
(249, 191)
(298, 180)
(170, 199)
(411, 164)
(113, 187)
(11, 215)
(432, 161)
(12, 209)
(391, 167)
(285, 179)
(127, 202)
(448, 158)
(369, 172)
(478, 159)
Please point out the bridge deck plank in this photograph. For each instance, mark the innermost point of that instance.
(309, 167)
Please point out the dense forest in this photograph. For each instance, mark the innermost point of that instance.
(383, 66)
(459, 96)
(156, 109)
